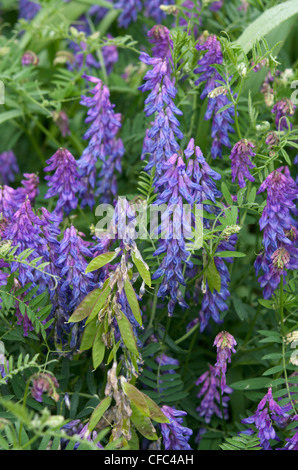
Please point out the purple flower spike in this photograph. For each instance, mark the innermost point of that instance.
(281, 109)
(175, 436)
(225, 343)
(159, 35)
(130, 9)
(160, 141)
(210, 404)
(241, 162)
(291, 444)
(221, 122)
(9, 202)
(30, 188)
(72, 261)
(8, 167)
(27, 9)
(64, 182)
(268, 412)
(174, 186)
(279, 235)
(103, 146)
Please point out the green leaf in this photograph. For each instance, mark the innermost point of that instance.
(155, 412)
(137, 397)
(213, 277)
(99, 412)
(272, 22)
(88, 336)
(85, 307)
(226, 194)
(273, 370)
(101, 261)
(105, 292)
(7, 115)
(127, 335)
(252, 384)
(19, 411)
(133, 301)
(98, 348)
(142, 268)
(230, 254)
(143, 424)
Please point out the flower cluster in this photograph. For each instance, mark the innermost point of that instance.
(175, 435)
(240, 161)
(160, 142)
(224, 343)
(44, 383)
(213, 395)
(282, 109)
(221, 122)
(279, 235)
(103, 146)
(268, 412)
(8, 167)
(64, 182)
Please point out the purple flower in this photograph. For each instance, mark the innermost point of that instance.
(8, 167)
(64, 182)
(160, 141)
(153, 10)
(203, 176)
(129, 13)
(81, 59)
(241, 162)
(86, 434)
(268, 412)
(221, 122)
(30, 58)
(9, 202)
(215, 6)
(30, 188)
(278, 232)
(272, 139)
(281, 109)
(292, 443)
(44, 383)
(175, 436)
(103, 146)
(174, 186)
(224, 343)
(210, 404)
(72, 261)
(28, 10)
(25, 230)
(62, 121)
(214, 303)
(159, 35)
(74, 284)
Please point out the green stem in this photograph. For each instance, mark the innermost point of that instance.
(153, 312)
(189, 333)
